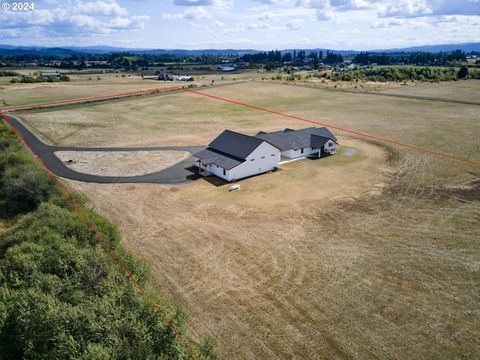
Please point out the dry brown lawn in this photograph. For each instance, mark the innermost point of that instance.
(120, 163)
(465, 90)
(188, 119)
(338, 257)
(242, 265)
(79, 86)
(374, 255)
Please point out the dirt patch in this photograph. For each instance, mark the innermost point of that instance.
(350, 152)
(120, 163)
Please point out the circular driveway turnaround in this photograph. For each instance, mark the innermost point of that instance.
(175, 174)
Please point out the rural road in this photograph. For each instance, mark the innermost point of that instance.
(175, 174)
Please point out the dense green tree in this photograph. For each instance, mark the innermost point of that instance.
(463, 72)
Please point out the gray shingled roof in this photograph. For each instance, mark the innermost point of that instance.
(318, 141)
(289, 139)
(212, 156)
(235, 144)
(229, 149)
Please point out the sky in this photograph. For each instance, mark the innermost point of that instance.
(242, 24)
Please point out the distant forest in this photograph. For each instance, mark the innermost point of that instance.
(267, 60)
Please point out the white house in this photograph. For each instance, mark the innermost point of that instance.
(233, 156)
(302, 143)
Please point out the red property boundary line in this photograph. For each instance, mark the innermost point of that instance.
(93, 98)
(412, 147)
(99, 236)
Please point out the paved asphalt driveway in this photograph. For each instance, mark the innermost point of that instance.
(175, 174)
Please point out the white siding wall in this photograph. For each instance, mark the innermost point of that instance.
(292, 154)
(215, 170)
(259, 161)
(330, 146)
(265, 158)
(212, 169)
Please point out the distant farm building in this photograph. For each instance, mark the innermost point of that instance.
(226, 67)
(233, 156)
(184, 78)
(50, 74)
(165, 77)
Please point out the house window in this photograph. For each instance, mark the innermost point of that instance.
(272, 155)
(263, 157)
(301, 151)
(224, 172)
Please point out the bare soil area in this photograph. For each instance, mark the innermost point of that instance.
(120, 163)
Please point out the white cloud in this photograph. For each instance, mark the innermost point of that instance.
(269, 1)
(259, 8)
(325, 15)
(350, 4)
(314, 4)
(79, 20)
(214, 3)
(385, 24)
(257, 26)
(134, 22)
(326, 9)
(194, 13)
(85, 22)
(197, 14)
(407, 8)
(268, 15)
(336, 4)
(417, 8)
(193, 2)
(296, 24)
(96, 8)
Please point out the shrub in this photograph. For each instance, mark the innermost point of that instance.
(8, 73)
(22, 189)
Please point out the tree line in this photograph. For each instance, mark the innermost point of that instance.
(418, 58)
(300, 57)
(405, 73)
(62, 295)
(265, 59)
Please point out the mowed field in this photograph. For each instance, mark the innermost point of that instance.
(79, 86)
(372, 253)
(464, 90)
(95, 85)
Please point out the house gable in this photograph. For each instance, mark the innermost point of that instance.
(264, 149)
(235, 144)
